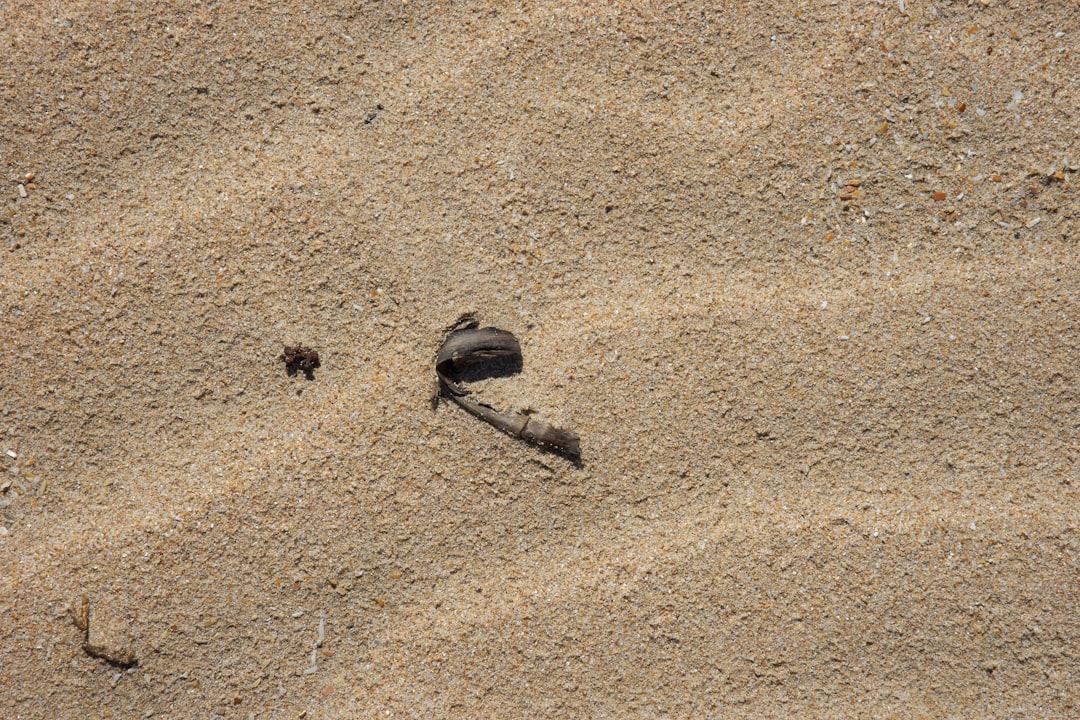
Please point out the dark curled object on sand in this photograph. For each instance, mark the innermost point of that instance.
(299, 358)
(472, 348)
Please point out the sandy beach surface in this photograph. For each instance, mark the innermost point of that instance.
(805, 278)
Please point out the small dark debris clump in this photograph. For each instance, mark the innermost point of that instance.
(372, 116)
(300, 358)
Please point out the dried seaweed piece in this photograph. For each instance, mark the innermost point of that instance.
(470, 347)
(300, 358)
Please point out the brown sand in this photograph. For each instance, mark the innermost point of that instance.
(805, 280)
